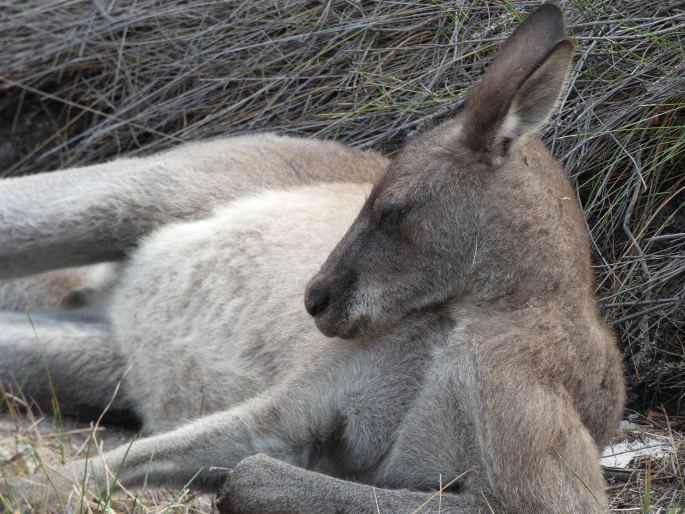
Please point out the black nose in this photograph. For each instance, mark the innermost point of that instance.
(316, 300)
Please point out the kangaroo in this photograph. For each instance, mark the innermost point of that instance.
(452, 330)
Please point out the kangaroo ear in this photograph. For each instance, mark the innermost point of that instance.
(521, 87)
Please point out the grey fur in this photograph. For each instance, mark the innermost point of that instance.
(70, 357)
(467, 337)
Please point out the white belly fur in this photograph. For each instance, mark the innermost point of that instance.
(230, 285)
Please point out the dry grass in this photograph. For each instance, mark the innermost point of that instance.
(84, 80)
(30, 442)
(650, 485)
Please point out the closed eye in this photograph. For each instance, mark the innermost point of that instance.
(394, 214)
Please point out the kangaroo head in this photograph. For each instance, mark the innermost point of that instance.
(413, 244)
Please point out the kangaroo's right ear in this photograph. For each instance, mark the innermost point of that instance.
(521, 87)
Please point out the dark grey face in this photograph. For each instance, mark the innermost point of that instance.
(413, 244)
(408, 248)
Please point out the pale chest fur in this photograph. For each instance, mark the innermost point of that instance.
(210, 312)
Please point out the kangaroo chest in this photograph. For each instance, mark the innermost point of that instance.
(210, 312)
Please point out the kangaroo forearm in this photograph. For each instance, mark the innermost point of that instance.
(201, 452)
(263, 484)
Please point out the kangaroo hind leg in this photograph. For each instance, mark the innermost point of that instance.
(263, 484)
(99, 213)
(59, 290)
(62, 362)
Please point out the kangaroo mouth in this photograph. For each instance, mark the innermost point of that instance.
(335, 322)
(339, 321)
